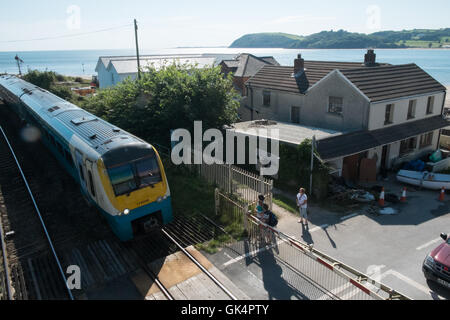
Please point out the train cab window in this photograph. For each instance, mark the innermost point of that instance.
(148, 172)
(81, 172)
(91, 182)
(122, 179)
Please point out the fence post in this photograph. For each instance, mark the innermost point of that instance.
(246, 211)
(230, 179)
(217, 200)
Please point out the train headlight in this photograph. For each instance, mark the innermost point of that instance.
(160, 199)
(126, 212)
(165, 197)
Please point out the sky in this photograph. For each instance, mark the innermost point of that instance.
(170, 23)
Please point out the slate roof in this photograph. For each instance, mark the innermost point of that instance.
(247, 65)
(390, 82)
(360, 141)
(378, 83)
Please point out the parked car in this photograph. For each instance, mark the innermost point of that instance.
(436, 266)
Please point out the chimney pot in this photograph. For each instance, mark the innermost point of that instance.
(299, 64)
(370, 58)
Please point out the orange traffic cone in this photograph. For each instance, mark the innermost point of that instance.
(442, 195)
(381, 201)
(403, 198)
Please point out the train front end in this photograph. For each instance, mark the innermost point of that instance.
(135, 182)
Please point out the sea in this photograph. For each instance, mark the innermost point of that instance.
(82, 63)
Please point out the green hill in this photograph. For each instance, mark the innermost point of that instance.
(417, 38)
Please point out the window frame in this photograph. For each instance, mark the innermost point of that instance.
(330, 106)
(430, 105)
(426, 140)
(298, 114)
(91, 182)
(391, 114)
(403, 152)
(267, 98)
(411, 107)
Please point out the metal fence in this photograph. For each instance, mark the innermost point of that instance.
(334, 278)
(231, 179)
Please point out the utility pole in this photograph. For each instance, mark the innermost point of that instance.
(137, 49)
(19, 61)
(313, 146)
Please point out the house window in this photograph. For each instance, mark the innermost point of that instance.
(412, 109)
(407, 146)
(295, 114)
(266, 98)
(335, 105)
(430, 105)
(426, 140)
(389, 116)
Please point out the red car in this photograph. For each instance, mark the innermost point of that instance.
(436, 266)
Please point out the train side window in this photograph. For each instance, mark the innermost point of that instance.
(81, 173)
(91, 182)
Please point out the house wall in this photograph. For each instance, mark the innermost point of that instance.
(378, 110)
(355, 105)
(104, 76)
(314, 105)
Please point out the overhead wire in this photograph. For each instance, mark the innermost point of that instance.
(68, 35)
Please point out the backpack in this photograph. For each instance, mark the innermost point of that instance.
(273, 220)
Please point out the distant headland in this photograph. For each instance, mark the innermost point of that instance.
(417, 38)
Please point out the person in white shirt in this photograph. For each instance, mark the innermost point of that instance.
(302, 203)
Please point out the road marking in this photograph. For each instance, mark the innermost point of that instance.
(349, 216)
(428, 244)
(252, 253)
(411, 282)
(318, 228)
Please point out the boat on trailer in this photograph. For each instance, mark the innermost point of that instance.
(428, 180)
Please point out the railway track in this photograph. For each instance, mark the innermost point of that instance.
(79, 234)
(23, 216)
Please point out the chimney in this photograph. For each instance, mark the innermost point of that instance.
(299, 64)
(370, 58)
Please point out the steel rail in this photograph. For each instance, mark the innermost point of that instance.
(217, 282)
(69, 292)
(5, 263)
(152, 275)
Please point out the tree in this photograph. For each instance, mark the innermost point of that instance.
(171, 98)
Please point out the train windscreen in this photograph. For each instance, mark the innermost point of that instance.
(135, 175)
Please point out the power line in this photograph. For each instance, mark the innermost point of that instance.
(68, 35)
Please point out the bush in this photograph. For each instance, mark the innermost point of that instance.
(295, 170)
(79, 79)
(43, 80)
(62, 92)
(171, 98)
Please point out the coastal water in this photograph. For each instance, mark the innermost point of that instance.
(435, 61)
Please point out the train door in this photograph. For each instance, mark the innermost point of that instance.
(90, 178)
(81, 170)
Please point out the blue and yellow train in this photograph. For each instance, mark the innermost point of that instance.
(119, 173)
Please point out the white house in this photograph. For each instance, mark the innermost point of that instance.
(112, 70)
(390, 113)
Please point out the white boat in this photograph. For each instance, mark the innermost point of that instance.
(428, 180)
